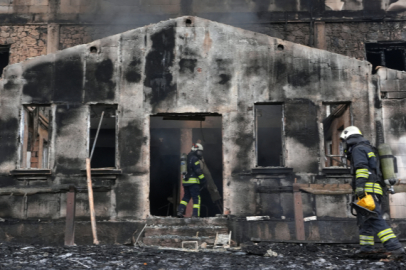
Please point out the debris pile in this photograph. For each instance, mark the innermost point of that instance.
(267, 256)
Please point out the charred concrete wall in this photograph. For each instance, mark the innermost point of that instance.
(185, 65)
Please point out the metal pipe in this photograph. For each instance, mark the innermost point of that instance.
(97, 135)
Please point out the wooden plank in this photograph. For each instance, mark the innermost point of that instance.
(326, 189)
(298, 209)
(338, 189)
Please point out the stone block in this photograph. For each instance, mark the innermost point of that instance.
(5, 9)
(396, 94)
(390, 85)
(66, 7)
(391, 74)
(38, 9)
(5, 2)
(40, 2)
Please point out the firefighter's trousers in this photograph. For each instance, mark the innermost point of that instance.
(377, 226)
(191, 191)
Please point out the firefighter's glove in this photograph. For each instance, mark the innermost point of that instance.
(360, 192)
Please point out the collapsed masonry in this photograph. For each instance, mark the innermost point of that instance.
(267, 110)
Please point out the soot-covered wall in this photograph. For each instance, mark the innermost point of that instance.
(182, 65)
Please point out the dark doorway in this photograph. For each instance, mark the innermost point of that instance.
(172, 135)
(4, 57)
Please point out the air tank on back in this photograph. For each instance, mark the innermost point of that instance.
(387, 161)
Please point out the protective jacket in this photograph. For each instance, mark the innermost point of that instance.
(364, 165)
(194, 172)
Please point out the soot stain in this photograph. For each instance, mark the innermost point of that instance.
(254, 68)
(99, 84)
(126, 199)
(158, 65)
(262, 5)
(133, 71)
(187, 66)
(224, 78)
(69, 79)
(280, 69)
(224, 69)
(301, 122)
(302, 77)
(8, 135)
(39, 82)
(65, 115)
(245, 143)
(64, 165)
(132, 139)
(398, 124)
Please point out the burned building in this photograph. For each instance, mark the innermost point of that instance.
(268, 111)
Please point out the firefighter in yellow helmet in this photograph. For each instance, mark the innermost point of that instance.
(192, 181)
(364, 168)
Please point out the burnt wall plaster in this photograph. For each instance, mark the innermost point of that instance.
(148, 70)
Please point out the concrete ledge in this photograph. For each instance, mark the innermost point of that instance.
(53, 232)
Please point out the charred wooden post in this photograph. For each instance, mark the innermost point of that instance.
(298, 209)
(70, 216)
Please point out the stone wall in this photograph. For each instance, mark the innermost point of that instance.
(25, 41)
(294, 32)
(350, 38)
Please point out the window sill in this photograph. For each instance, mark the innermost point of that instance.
(335, 171)
(104, 173)
(31, 174)
(271, 170)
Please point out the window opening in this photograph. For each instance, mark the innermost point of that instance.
(336, 119)
(35, 136)
(104, 155)
(171, 136)
(268, 121)
(390, 55)
(4, 57)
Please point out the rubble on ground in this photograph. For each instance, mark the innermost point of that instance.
(275, 256)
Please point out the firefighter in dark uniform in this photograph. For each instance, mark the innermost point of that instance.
(192, 181)
(366, 181)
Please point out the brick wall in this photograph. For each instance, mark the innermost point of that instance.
(25, 41)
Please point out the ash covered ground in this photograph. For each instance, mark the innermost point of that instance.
(281, 256)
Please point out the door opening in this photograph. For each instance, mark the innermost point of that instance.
(171, 136)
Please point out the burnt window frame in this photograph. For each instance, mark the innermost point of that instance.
(116, 139)
(380, 48)
(21, 137)
(5, 49)
(282, 163)
(323, 133)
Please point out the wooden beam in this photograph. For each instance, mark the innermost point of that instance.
(326, 189)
